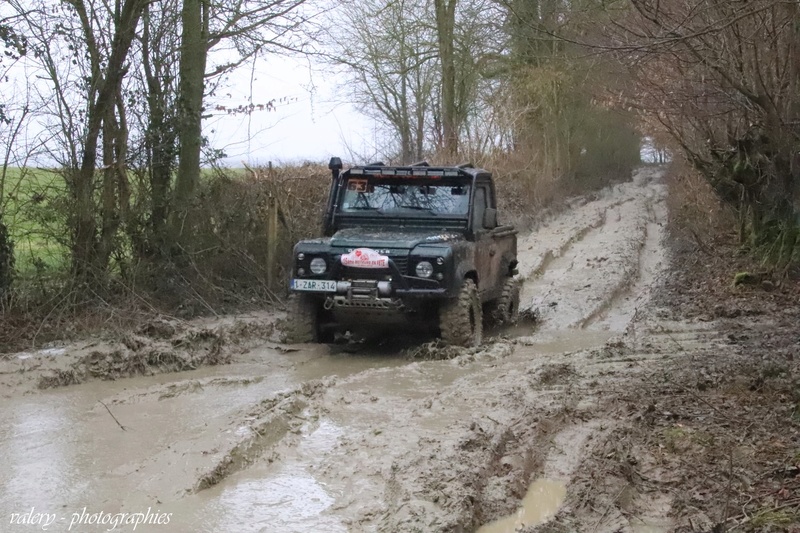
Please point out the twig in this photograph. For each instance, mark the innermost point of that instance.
(112, 416)
(610, 505)
(702, 245)
(691, 393)
(728, 492)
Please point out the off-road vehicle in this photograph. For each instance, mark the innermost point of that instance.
(406, 246)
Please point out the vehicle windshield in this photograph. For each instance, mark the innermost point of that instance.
(393, 197)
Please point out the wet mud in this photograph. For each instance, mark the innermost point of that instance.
(227, 429)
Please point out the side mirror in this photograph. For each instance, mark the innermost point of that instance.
(490, 218)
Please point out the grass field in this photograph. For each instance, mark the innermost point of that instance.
(32, 202)
(28, 203)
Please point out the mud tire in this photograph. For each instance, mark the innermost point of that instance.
(461, 319)
(302, 320)
(505, 310)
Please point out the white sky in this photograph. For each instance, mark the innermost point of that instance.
(310, 121)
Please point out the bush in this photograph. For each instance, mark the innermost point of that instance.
(6, 261)
(695, 210)
(526, 191)
(226, 254)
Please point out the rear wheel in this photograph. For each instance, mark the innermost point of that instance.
(461, 319)
(505, 310)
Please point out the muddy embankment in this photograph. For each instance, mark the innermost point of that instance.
(375, 437)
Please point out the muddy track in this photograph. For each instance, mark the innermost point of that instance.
(316, 438)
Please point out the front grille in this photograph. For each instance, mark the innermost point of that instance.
(375, 273)
(402, 264)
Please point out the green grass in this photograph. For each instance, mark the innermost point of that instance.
(32, 220)
(28, 204)
(773, 517)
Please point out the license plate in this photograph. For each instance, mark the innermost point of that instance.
(320, 285)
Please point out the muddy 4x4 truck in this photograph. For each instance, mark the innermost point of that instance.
(415, 247)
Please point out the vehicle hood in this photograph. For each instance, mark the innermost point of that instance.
(384, 239)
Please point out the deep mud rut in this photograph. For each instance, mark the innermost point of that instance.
(315, 438)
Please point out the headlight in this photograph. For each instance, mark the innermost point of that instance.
(318, 265)
(301, 256)
(424, 269)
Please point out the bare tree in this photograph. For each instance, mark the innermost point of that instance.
(390, 61)
(107, 69)
(445, 11)
(157, 76)
(243, 28)
(418, 67)
(724, 81)
(14, 46)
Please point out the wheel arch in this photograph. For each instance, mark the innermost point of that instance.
(467, 271)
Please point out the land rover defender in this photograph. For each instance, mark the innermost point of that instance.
(415, 246)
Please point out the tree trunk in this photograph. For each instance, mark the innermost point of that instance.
(405, 123)
(190, 107)
(445, 25)
(88, 261)
(108, 193)
(160, 147)
(420, 133)
(6, 260)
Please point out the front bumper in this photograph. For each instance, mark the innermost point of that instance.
(360, 308)
(380, 283)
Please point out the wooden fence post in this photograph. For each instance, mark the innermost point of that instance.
(272, 241)
(272, 233)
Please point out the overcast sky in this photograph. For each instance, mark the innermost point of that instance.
(310, 120)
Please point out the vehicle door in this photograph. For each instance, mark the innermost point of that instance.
(487, 260)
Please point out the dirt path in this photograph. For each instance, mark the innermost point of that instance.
(300, 438)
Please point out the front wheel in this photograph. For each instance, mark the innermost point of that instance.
(461, 319)
(302, 322)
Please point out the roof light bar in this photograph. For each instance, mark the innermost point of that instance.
(388, 172)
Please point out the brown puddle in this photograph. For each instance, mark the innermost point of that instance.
(543, 499)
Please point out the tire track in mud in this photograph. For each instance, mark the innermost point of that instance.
(270, 422)
(551, 241)
(590, 276)
(551, 254)
(633, 289)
